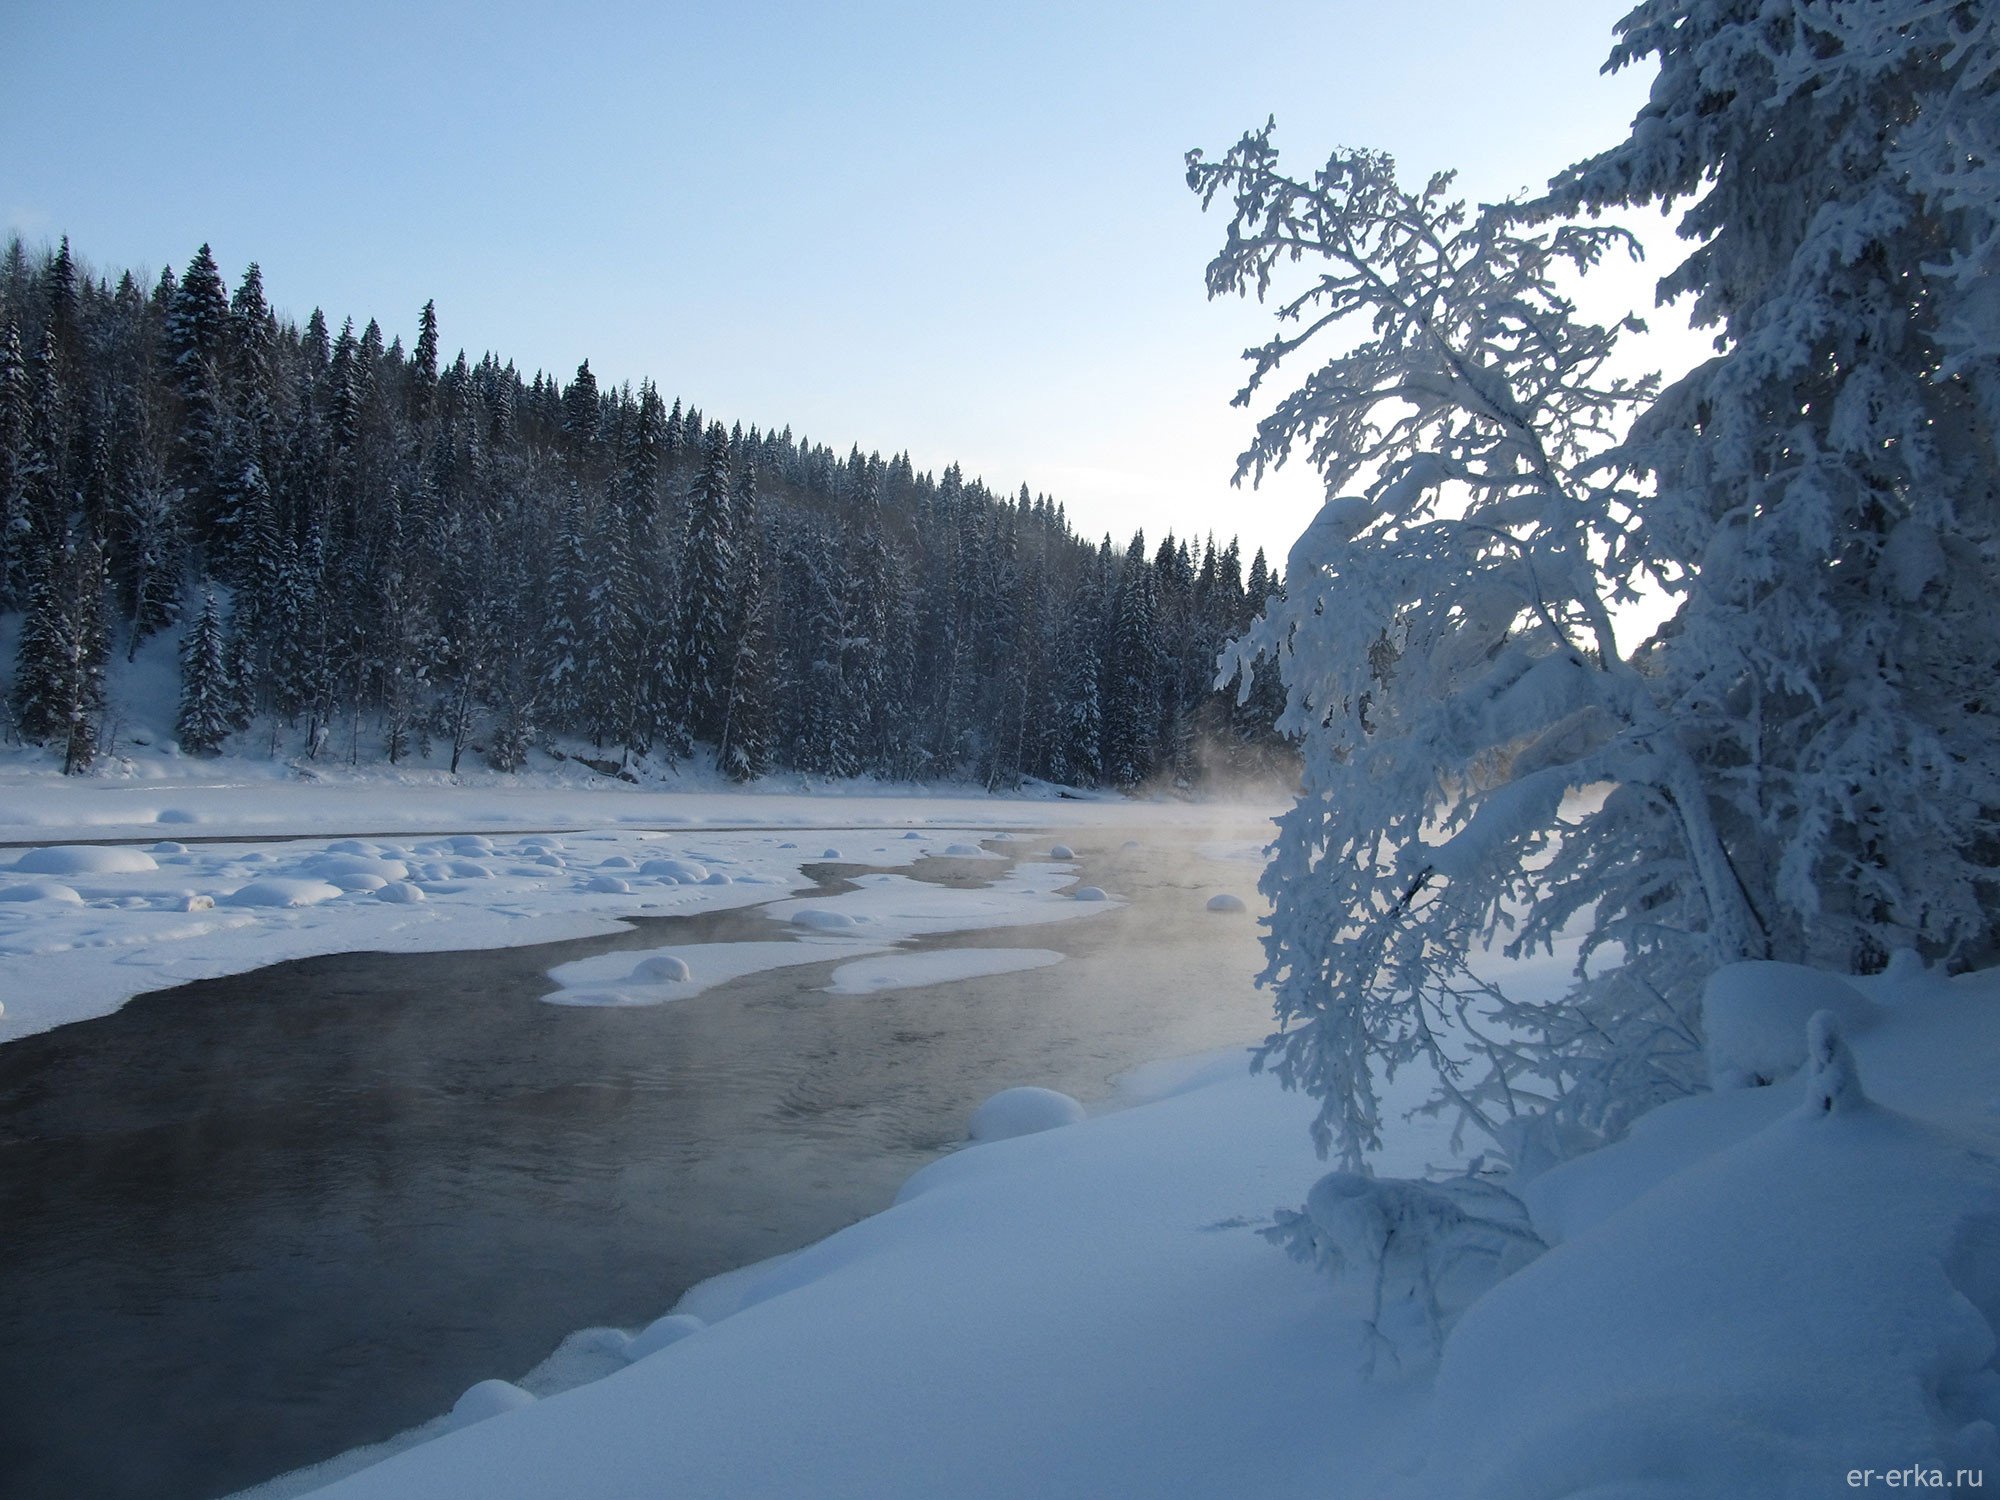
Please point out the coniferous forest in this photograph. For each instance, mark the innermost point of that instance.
(371, 554)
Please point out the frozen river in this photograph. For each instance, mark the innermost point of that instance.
(261, 1219)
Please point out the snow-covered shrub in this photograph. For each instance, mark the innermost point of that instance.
(1755, 1015)
(1481, 753)
(1424, 1251)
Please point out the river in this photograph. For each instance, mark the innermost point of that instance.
(254, 1222)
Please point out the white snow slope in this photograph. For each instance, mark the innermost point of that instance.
(1761, 1293)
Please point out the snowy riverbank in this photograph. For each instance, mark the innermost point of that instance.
(164, 892)
(1754, 1295)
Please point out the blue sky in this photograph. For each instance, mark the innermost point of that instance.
(958, 229)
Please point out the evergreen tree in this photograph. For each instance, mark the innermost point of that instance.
(194, 342)
(207, 692)
(707, 609)
(1828, 488)
(743, 743)
(59, 659)
(1131, 698)
(424, 366)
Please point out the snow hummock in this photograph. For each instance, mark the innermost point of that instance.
(1754, 1015)
(662, 968)
(824, 920)
(1089, 893)
(42, 890)
(281, 892)
(85, 859)
(1022, 1111)
(1225, 902)
(489, 1398)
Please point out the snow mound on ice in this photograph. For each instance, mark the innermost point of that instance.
(337, 869)
(85, 859)
(1223, 901)
(661, 968)
(334, 867)
(680, 871)
(489, 1398)
(1754, 1017)
(821, 920)
(42, 890)
(282, 891)
(1061, 851)
(609, 885)
(400, 892)
(1088, 893)
(661, 1332)
(831, 854)
(1022, 1111)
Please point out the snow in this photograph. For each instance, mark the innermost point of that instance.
(648, 978)
(900, 971)
(501, 864)
(1755, 1291)
(281, 892)
(865, 925)
(84, 859)
(1223, 901)
(660, 1334)
(41, 890)
(1022, 1111)
(1752, 1294)
(819, 919)
(1754, 1018)
(489, 1398)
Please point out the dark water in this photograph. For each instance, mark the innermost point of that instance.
(253, 1222)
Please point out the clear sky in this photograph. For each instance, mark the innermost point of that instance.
(958, 229)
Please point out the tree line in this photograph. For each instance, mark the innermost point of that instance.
(368, 552)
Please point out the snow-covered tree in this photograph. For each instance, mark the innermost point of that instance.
(1448, 649)
(59, 660)
(1829, 484)
(207, 694)
(707, 602)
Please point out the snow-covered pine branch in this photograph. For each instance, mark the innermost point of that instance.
(1447, 647)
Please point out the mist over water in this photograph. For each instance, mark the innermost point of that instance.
(262, 1219)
